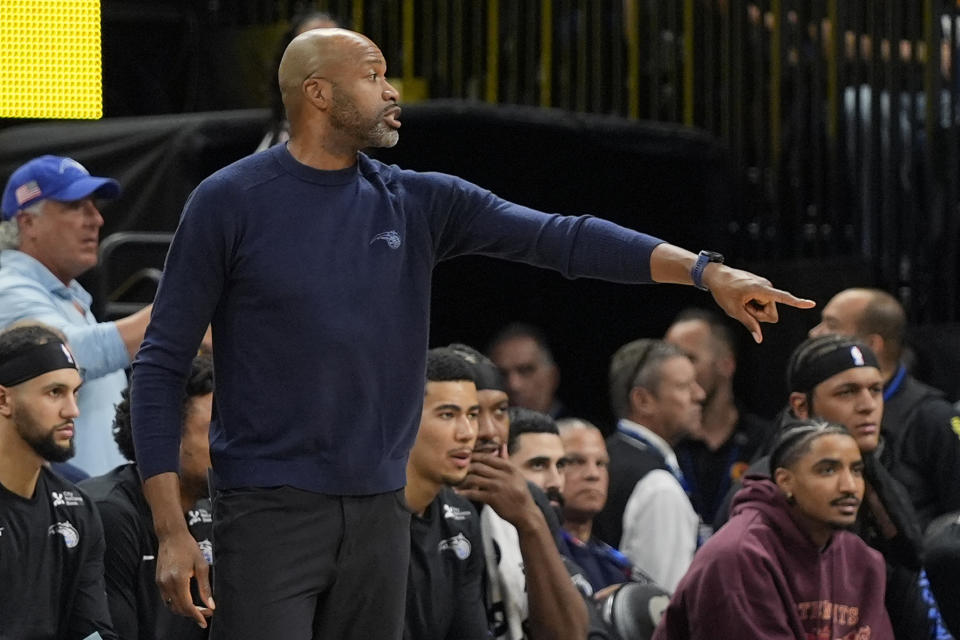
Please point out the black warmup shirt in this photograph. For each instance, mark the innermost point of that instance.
(444, 593)
(136, 607)
(51, 564)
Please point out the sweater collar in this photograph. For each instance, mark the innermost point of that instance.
(318, 176)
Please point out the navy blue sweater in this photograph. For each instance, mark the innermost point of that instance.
(317, 284)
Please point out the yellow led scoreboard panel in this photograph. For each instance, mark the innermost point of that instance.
(50, 63)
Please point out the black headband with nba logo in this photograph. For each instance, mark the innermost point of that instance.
(817, 359)
(35, 360)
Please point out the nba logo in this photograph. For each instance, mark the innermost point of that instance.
(857, 356)
(69, 356)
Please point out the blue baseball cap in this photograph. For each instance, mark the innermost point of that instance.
(53, 178)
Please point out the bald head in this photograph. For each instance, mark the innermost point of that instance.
(318, 52)
(863, 313)
(337, 97)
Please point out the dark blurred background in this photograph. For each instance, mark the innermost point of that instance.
(813, 141)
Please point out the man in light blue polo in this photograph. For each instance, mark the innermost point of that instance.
(49, 236)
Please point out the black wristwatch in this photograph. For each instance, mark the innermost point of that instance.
(705, 258)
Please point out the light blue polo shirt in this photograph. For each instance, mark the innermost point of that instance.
(29, 291)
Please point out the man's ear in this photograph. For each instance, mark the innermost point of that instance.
(876, 343)
(26, 222)
(800, 405)
(784, 479)
(318, 92)
(641, 401)
(6, 402)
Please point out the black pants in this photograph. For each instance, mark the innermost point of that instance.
(297, 565)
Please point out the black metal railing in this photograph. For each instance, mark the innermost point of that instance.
(841, 116)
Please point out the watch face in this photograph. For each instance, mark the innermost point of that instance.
(713, 256)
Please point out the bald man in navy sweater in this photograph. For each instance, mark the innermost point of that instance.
(313, 264)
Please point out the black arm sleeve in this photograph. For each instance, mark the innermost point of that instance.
(470, 618)
(90, 612)
(121, 563)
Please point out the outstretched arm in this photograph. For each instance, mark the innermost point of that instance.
(748, 298)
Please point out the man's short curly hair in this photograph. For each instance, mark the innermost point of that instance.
(199, 383)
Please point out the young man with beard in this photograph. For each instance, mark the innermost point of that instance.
(535, 446)
(444, 589)
(313, 264)
(621, 601)
(51, 539)
(137, 610)
(783, 568)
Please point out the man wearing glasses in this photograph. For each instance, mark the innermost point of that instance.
(648, 516)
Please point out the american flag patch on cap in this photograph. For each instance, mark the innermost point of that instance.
(27, 192)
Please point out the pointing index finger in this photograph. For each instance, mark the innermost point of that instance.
(779, 295)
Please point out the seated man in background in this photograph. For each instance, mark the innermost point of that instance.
(444, 588)
(719, 453)
(529, 370)
(648, 516)
(783, 567)
(618, 606)
(136, 607)
(586, 481)
(51, 562)
(921, 429)
(837, 379)
(530, 592)
(534, 445)
(49, 236)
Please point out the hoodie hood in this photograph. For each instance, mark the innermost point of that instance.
(761, 494)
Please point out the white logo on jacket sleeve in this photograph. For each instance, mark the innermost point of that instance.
(458, 544)
(392, 238)
(71, 537)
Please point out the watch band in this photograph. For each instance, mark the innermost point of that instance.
(705, 258)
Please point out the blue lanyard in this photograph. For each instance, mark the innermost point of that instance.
(894, 385)
(674, 470)
(616, 556)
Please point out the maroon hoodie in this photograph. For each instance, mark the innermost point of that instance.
(760, 576)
